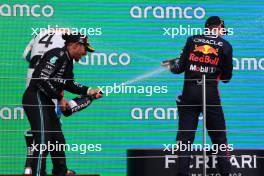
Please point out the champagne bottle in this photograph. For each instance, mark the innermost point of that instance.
(77, 104)
(168, 62)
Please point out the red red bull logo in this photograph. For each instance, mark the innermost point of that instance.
(204, 59)
(206, 49)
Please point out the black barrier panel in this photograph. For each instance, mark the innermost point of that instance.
(156, 162)
(49, 175)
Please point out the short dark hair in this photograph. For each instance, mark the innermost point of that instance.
(214, 21)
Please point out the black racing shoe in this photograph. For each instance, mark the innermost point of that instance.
(70, 173)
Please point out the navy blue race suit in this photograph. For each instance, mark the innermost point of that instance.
(212, 56)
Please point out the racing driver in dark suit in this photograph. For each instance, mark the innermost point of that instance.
(52, 75)
(210, 55)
